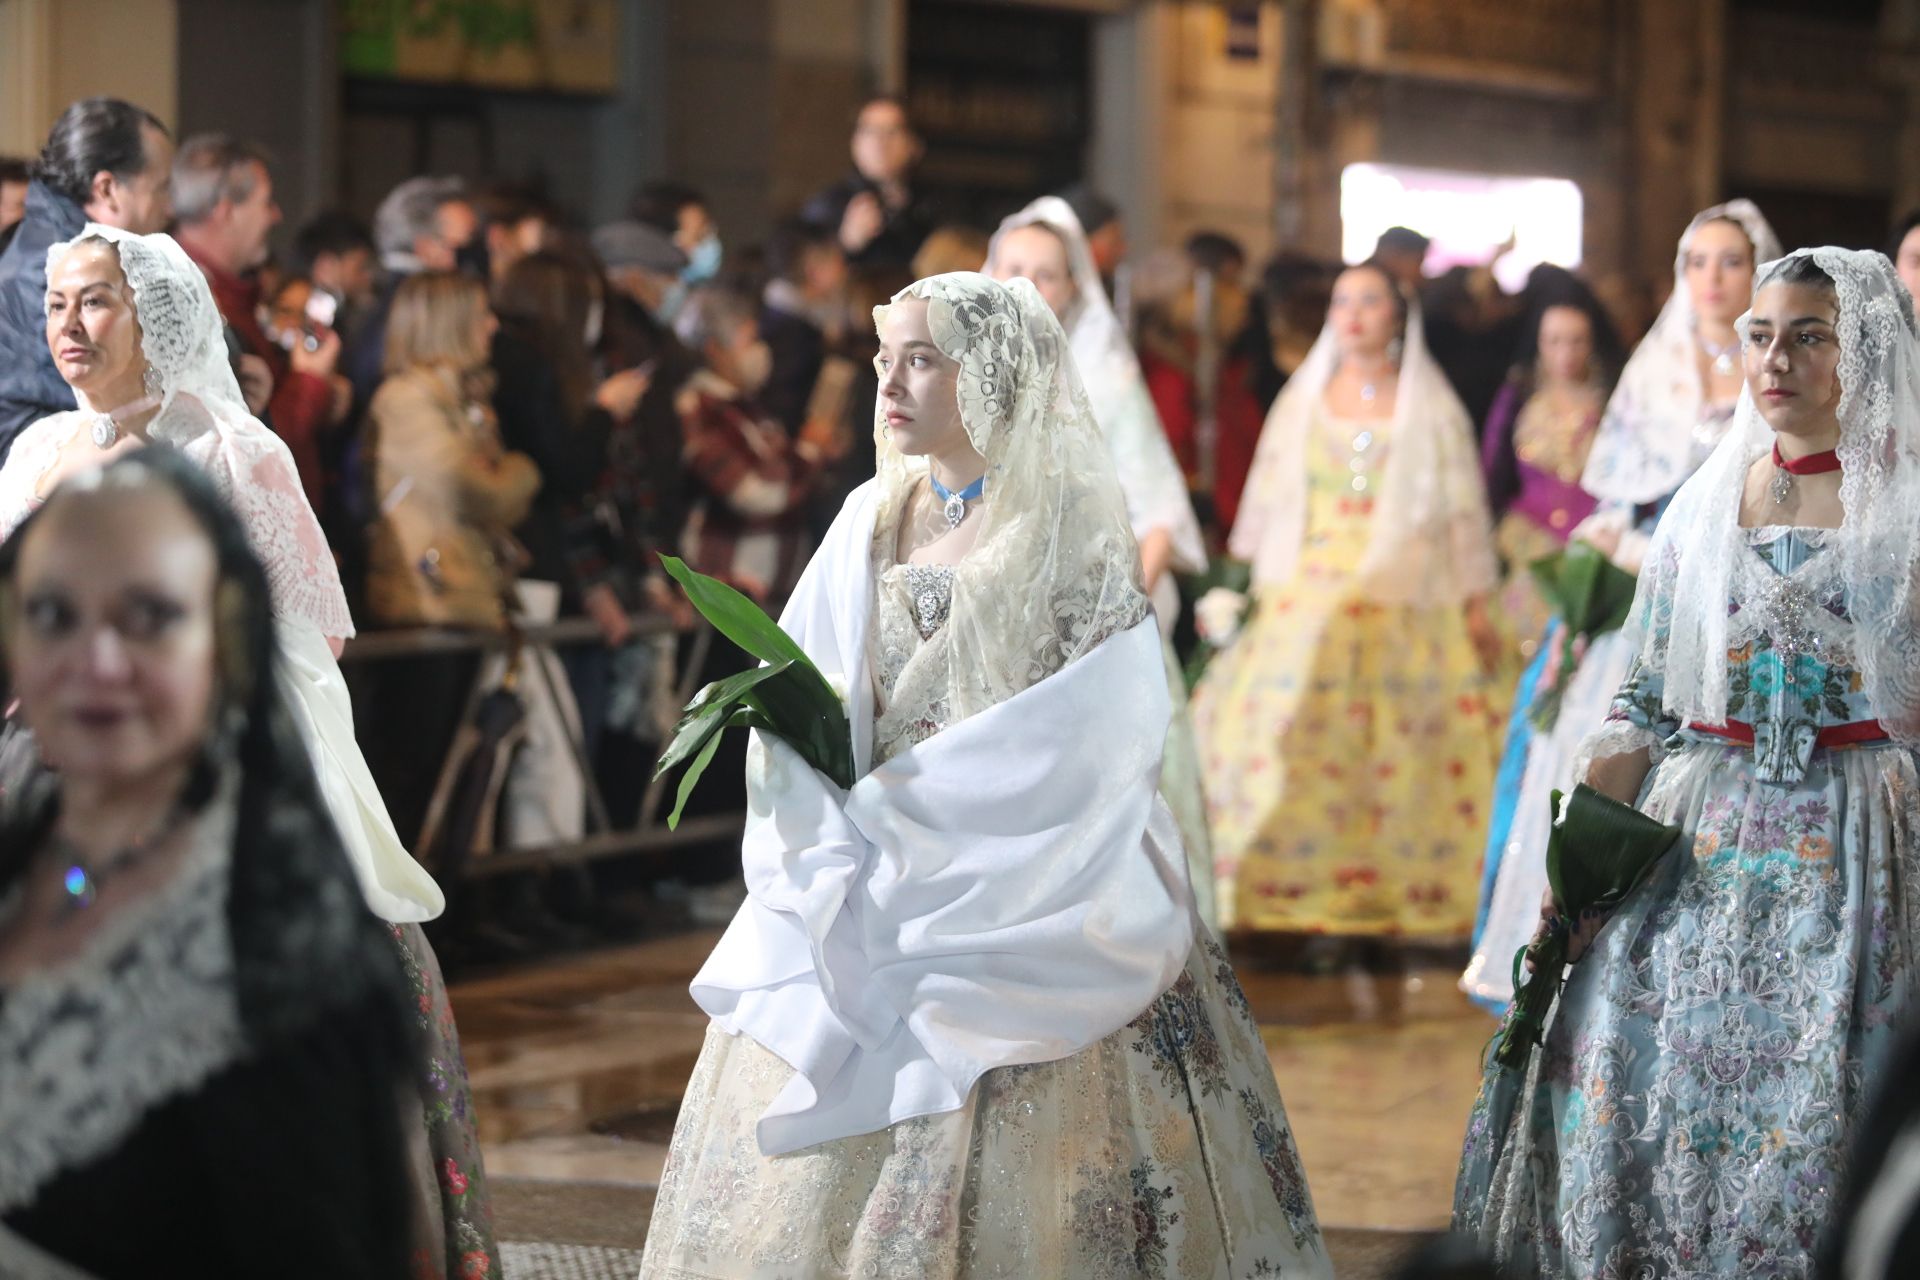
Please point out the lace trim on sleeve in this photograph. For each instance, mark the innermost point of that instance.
(256, 473)
(149, 1012)
(1616, 738)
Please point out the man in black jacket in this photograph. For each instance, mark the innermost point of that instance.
(106, 161)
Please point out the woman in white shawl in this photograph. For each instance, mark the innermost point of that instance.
(1045, 243)
(1715, 1046)
(134, 330)
(1348, 735)
(1671, 406)
(966, 1023)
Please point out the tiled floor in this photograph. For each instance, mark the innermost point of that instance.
(577, 1068)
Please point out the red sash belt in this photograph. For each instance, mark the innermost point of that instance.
(1834, 735)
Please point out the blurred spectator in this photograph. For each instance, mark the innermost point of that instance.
(1290, 310)
(13, 195)
(335, 253)
(748, 522)
(552, 408)
(106, 161)
(880, 219)
(1903, 247)
(803, 315)
(641, 506)
(449, 492)
(424, 224)
(1219, 255)
(1100, 219)
(1403, 252)
(1472, 329)
(1187, 373)
(513, 224)
(224, 206)
(681, 212)
(440, 550)
(952, 247)
(287, 312)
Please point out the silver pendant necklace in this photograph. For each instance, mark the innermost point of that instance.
(1722, 357)
(106, 426)
(954, 501)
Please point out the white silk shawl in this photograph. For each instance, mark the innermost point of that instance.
(1009, 891)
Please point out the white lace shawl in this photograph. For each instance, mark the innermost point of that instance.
(1699, 595)
(146, 1013)
(1646, 447)
(1055, 570)
(1432, 538)
(1150, 476)
(254, 472)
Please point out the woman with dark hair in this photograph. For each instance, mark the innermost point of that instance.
(133, 328)
(106, 161)
(1722, 1031)
(204, 1033)
(1348, 734)
(1537, 434)
(1672, 403)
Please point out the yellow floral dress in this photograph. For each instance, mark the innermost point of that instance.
(1348, 747)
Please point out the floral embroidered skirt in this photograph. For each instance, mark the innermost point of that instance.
(1161, 1151)
(451, 1206)
(1348, 750)
(1690, 1111)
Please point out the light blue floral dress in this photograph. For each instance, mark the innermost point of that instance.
(1690, 1110)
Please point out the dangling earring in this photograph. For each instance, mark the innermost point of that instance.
(1395, 350)
(150, 381)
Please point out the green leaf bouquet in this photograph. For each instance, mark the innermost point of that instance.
(785, 696)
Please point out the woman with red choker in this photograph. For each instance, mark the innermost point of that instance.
(1718, 1035)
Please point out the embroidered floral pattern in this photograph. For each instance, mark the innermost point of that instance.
(1177, 1037)
(447, 1111)
(1690, 1110)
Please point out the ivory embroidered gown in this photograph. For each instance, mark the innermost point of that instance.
(1159, 1151)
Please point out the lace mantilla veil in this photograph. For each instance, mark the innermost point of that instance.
(1432, 539)
(1055, 570)
(1150, 476)
(1681, 621)
(204, 415)
(1645, 444)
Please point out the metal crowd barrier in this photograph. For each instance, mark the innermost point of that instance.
(601, 840)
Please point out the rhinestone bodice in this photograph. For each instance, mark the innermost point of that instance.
(930, 590)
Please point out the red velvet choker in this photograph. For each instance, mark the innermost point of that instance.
(1785, 469)
(1811, 465)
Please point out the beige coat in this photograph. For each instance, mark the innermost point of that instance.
(449, 496)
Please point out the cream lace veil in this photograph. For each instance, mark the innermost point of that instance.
(204, 416)
(1681, 617)
(1645, 447)
(1150, 476)
(1055, 570)
(1431, 541)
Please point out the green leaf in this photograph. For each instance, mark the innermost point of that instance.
(692, 776)
(707, 713)
(1596, 856)
(735, 616)
(1592, 596)
(789, 697)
